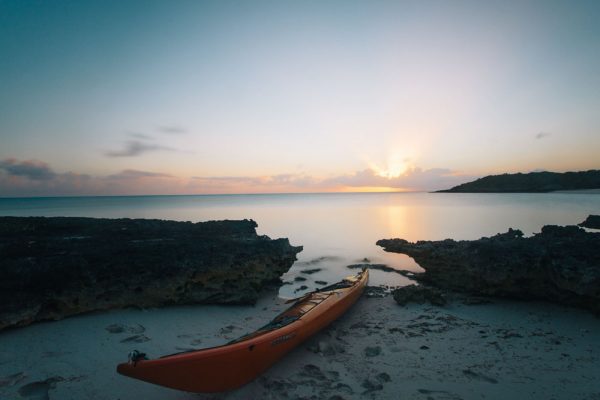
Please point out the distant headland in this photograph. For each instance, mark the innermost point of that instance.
(533, 182)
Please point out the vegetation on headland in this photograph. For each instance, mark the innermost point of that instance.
(533, 182)
(592, 222)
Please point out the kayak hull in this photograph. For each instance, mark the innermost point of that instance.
(233, 365)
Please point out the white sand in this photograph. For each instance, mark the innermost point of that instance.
(502, 350)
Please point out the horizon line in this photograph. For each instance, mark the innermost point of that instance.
(208, 194)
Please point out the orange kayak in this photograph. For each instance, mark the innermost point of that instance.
(230, 366)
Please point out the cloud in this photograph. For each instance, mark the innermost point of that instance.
(141, 136)
(541, 135)
(415, 179)
(253, 184)
(32, 178)
(135, 148)
(172, 130)
(34, 170)
(136, 174)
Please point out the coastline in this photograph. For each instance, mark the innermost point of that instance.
(379, 350)
(534, 182)
(580, 191)
(469, 348)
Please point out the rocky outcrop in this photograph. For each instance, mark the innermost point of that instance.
(418, 294)
(51, 268)
(592, 222)
(559, 264)
(382, 267)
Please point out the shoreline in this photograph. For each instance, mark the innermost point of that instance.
(580, 191)
(58, 197)
(470, 347)
(378, 350)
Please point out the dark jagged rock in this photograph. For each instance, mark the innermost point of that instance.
(51, 268)
(560, 264)
(382, 267)
(301, 288)
(376, 291)
(592, 222)
(418, 294)
(533, 182)
(310, 271)
(318, 260)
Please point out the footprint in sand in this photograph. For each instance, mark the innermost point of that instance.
(383, 377)
(439, 394)
(12, 380)
(475, 375)
(185, 349)
(120, 328)
(228, 329)
(372, 351)
(371, 386)
(136, 339)
(39, 390)
(313, 371)
(194, 338)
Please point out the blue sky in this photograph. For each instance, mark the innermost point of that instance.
(137, 97)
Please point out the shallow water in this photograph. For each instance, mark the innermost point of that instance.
(339, 229)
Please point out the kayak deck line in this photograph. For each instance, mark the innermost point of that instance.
(238, 362)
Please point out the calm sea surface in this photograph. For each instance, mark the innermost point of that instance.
(339, 229)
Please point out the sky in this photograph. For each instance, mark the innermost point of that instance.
(192, 97)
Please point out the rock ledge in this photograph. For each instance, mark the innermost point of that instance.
(559, 264)
(55, 267)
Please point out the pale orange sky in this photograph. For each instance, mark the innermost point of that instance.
(213, 97)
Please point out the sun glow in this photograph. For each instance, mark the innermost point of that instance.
(371, 189)
(394, 167)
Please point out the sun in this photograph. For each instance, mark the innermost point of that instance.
(393, 168)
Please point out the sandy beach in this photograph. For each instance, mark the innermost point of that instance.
(336, 200)
(469, 349)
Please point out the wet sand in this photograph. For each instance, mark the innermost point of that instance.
(379, 350)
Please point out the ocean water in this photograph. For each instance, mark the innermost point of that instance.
(339, 229)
